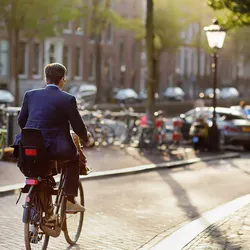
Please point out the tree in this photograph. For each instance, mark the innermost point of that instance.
(31, 18)
(235, 19)
(238, 46)
(168, 26)
(237, 12)
(151, 57)
(199, 13)
(100, 16)
(162, 33)
(237, 6)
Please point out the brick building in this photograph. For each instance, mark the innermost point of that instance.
(123, 62)
(75, 49)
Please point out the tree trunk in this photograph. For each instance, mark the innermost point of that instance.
(198, 49)
(151, 81)
(157, 66)
(15, 64)
(98, 67)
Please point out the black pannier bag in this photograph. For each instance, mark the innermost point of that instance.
(33, 160)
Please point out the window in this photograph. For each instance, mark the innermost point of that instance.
(103, 37)
(122, 80)
(92, 67)
(78, 62)
(92, 36)
(36, 70)
(121, 51)
(51, 53)
(67, 27)
(134, 52)
(185, 62)
(109, 33)
(66, 56)
(110, 72)
(4, 58)
(22, 58)
(134, 80)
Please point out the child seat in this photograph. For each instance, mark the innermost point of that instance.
(33, 159)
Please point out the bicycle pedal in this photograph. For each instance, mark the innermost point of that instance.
(49, 224)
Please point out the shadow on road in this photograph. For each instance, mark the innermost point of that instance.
(184, 202)
(74, 247)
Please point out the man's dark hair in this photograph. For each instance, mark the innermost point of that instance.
(54, 72)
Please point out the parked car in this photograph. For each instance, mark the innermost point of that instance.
(174, 94)
(234, 128)
(126, 96)
(84, 93)
(238, 108)
(209, 93)
(229, 93)
(6, 96)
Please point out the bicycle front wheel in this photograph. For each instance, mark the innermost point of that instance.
(73, 222)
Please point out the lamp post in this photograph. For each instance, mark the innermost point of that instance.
(216, 37)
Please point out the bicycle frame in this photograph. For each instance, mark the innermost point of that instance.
(59, 224)
(27, 206)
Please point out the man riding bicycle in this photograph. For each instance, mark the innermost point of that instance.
(52, 111)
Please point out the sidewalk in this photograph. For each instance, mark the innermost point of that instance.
(103, 159)
(232, 233)
(113, 161)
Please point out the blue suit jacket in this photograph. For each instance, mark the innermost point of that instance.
(53, 111)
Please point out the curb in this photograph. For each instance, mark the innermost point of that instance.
(13, 189)
(183, 236)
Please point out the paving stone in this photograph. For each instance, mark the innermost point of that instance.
(232, 233)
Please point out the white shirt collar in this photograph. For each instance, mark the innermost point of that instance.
(54, 85)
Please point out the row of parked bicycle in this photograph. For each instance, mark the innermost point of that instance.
(125, 127)
(129, 128)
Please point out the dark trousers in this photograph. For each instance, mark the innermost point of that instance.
(70, 186)
(72, 177)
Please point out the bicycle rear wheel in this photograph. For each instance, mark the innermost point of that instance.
(34, 237)
(73, 222)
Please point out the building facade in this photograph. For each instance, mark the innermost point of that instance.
(75, 48)
(124, 63)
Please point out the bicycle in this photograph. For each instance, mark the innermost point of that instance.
(37, 229)
(102, 132)
(40, 187)
(3, 142)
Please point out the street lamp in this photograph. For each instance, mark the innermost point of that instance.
(216, 36)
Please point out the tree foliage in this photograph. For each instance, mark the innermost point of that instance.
(167, 25)
(236, 14)
(238, 44)
(237, 6)
(100, 15)
(30, 19)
